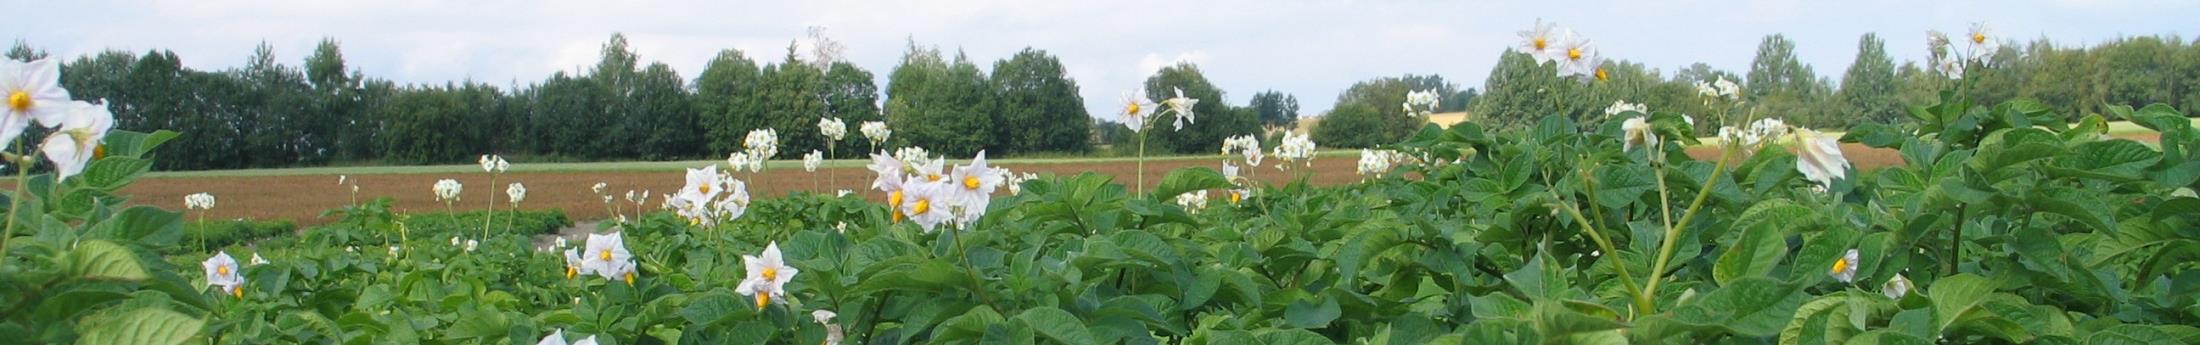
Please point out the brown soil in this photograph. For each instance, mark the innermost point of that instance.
(303, 198)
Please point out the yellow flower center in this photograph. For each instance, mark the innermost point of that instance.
(607, 255)
(894, 198)
(1541, 43)
(770, 273)
(1236, 196)
(570, 272)
(1603, 75)
(629, 278)
(923, 205)
(705, 189)
(1978, 38)
(1131, 108)
(99, 152)
(221, 270)
(762, 299)
(1840, 265)
(19, 100)
(932, 177)
(239, 291)
(1573, 54)
(970, 182)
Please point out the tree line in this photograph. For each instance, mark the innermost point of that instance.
(2132, 71)
(323, 111)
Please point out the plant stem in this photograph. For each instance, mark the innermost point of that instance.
(1642, 300)
(1955, 240)
(15, 201)
(1141, 164)
(1673, 232)
(489, 214)
(975, 286)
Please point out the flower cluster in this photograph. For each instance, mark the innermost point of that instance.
(1721, 88)
(199, 201)
(759, 146)
(1244, 145)
(876, 131)
(1193, 201)
(1945, 59)
(517, 192)
(1015, 182)
(447, 190)
(33, 93)
(1421, 103)
(605, 256)
(221, 271)
(493, 164)
(918, 189)
(832, 128)
(1622, 107)
(1244, 185)
(1575, 55)
(812, 160)
(1753, 138)
(1295, 148)
(768, 275)
(1375, 162)
(709, 198)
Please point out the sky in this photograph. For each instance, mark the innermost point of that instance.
(1309, 49)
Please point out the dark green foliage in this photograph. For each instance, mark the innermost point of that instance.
(1040, 105)
(1213, 117)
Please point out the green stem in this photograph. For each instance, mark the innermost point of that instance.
(1673, 232)
(1141, 189)
(15, 201)
(1955, 241)
(975, 282)
(1642, 301)
(490, 213)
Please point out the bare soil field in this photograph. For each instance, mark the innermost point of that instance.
(302, 198)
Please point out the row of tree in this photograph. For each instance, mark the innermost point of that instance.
(267, 114)
(2133, 71)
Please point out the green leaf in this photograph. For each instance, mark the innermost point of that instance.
(713, 307)
(1956, 295)
(111, 173)
(122, 143)
(1292, 337)
(1054, 323)
(1310, 314)
(1563, 325)
(2132, 334)
(1182, 181)
(147, 326)
(1764, 239)
(96, 259)
(1816, 308)
(144, 225)
(1754, 306)
(1885, 337)
(1618, 186)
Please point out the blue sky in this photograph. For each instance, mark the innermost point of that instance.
(1311, 49)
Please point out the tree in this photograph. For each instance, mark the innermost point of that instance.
(939, 105)
(1213, 118)
(664, 111)
(1869, 86)
(852, 96)
(1276, 110)
(1035, 94)
(725, 97)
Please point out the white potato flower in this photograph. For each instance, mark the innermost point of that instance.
(200, 201)
(221, 271)
(832, 128)
(1577, 56)
(1844, 269)
(811, 161)
(1541, 41)
(763, 143)
(1136, 109)
(81, 130)
(33, 90)
(1374, 162)
(1295, 148)
(607, 257)
(768, 275)
(1819, 157)
(1182, 106)
(1622, 107)
(1193, 201)
(1895, 287)
(517, 192)
(448, 189)
(1639, 133)
(876, 131)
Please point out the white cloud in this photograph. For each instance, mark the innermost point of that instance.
(1153, 62)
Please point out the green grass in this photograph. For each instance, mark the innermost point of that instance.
(665, 166)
